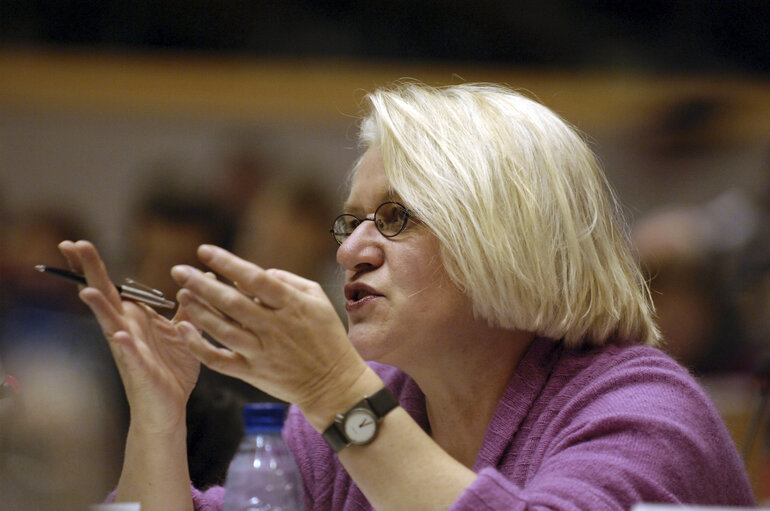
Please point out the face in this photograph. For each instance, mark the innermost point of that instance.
(402, 307)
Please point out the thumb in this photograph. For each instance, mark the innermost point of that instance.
(181, 314)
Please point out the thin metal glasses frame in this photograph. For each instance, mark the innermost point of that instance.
(340, 236)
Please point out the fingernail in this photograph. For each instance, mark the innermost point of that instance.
(180, 272)
(205, 252)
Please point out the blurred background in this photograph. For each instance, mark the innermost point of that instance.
(151, 127)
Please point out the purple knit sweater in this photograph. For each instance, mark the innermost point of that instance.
(575, 429)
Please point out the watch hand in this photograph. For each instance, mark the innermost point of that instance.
(365, 422)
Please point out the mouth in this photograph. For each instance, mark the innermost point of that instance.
(358, 295)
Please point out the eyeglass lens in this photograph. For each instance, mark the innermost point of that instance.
(390, 219)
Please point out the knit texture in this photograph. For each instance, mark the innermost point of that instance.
(598, 429)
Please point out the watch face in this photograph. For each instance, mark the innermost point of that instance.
(360, 426)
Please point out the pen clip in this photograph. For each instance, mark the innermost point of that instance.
(139, 292)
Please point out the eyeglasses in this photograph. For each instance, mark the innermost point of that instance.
(390, 219)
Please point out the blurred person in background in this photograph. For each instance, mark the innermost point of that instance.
(694, 301)
(8, 403)
(25, 238)
(60, 441)
(284, 226)
(707, 266)
(490, 282)
(709, 272)
(752, 273)
(245, 172)
(37, 313)
(166, 226)
(60, 435)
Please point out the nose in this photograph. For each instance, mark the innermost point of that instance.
(362, 250)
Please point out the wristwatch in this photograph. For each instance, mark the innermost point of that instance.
(359, 425)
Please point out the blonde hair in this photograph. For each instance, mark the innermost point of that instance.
(529, 227)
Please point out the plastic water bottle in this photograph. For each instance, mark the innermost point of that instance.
(263, 475)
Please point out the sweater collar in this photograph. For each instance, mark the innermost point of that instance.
(528, 380)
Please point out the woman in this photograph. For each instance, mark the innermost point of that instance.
(495, 292)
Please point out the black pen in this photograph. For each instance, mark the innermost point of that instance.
(130, 289)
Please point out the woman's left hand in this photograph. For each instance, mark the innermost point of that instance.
(279, 332)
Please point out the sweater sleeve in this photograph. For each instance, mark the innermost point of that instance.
(641, 431)
(211, 499)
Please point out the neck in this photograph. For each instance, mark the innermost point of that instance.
(463, 386)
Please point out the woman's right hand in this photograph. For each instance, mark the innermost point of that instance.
(157, 369)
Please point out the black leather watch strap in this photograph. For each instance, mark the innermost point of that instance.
(335, 437)
(380, 403)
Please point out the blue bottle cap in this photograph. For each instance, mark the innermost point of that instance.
(264, 417)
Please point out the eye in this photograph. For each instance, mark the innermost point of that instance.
(352, 223)
(391, 218)
(344, 224)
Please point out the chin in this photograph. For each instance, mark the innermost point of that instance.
(373, 346)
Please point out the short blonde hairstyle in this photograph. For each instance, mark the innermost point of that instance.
(529, 227)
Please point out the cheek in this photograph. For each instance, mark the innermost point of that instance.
(429, 289)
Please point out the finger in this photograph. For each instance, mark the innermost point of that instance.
(221, 360)
(181, 314)
(67, 249)
(108, 318)
(96, 273)
(228, 332)
(127, 352)
(252, 279)
(225, 299)
(299, 283)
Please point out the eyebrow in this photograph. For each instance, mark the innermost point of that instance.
(389, 196)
